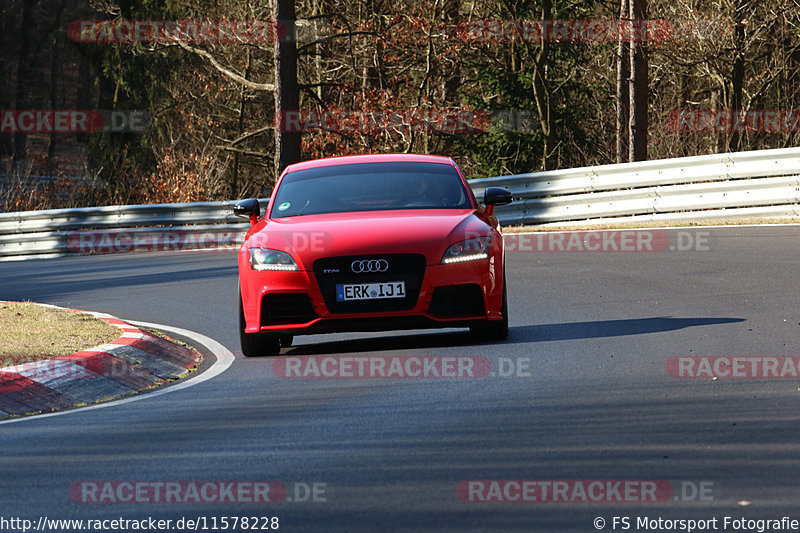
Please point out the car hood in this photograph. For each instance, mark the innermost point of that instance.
(310, 237)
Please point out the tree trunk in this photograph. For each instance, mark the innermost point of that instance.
(24, 84)
(55, 75)
(541, 90)
(318, 76)
(8, 63)
(452, 81)
(737, 80)
(240, 126)
(639, 83)
(287, 96)
(623, 89)
(372, 71)
(717, 144)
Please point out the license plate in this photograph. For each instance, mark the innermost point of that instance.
(370, 291)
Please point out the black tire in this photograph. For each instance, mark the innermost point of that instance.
(256, 344)
(286, 340)
(494, 330)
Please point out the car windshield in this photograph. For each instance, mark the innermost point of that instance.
(370, 187)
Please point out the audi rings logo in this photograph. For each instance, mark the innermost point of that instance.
(370, 265)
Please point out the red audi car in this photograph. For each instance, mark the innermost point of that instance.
(370, 243)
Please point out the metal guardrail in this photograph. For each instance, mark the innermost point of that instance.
(733, 185)
(119, 228)
(736, 185)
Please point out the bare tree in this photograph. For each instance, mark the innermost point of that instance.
(287, 96)
(623, 89)
(23, 76)
(737, 77)
(639, 86)
(541, 90)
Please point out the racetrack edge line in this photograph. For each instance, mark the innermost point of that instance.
(224, 359)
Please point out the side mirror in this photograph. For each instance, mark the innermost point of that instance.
(248, 208)
(493, 196)
(496, 196)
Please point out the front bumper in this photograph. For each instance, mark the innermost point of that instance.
(292, 302)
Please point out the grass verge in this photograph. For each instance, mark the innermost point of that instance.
(31, 332)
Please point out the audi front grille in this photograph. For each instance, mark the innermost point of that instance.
(332, 271)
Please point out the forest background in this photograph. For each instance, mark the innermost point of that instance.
(501, 87)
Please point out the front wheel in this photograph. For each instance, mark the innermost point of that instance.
(495, 330)
(286, 340)
(256, 344)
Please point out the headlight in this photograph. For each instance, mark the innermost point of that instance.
(266, 259)
(469, 250)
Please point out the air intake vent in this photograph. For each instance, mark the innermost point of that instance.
(457, 301)
(290, 308)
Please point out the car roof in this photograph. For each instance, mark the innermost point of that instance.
(370, 158)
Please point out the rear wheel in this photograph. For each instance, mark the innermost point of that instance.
(495, 330)
(256, 344)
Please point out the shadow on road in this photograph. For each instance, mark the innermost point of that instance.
(518, 334)
(612, 328)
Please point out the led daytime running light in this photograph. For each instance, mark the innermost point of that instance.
(463, 258)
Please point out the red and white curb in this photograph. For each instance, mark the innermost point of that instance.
(135, 361)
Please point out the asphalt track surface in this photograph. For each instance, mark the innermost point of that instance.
(598, 329)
